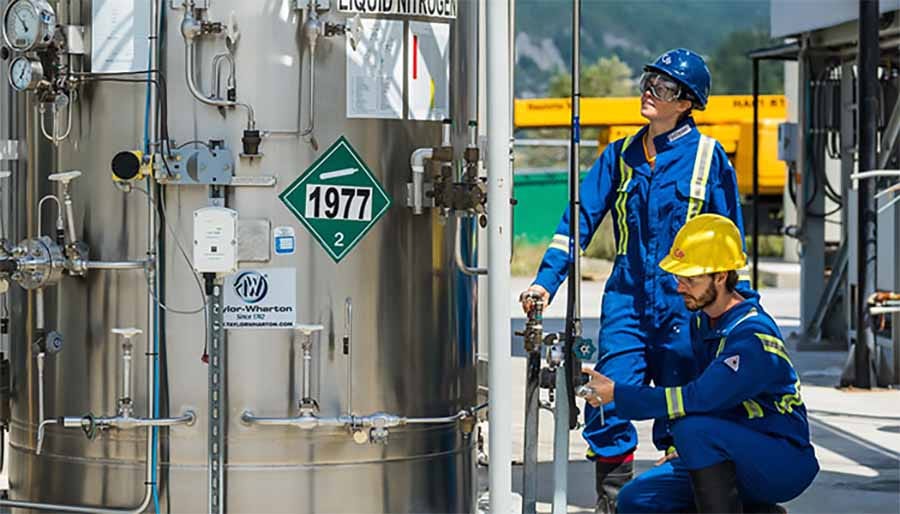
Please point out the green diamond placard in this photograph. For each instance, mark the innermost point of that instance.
(337, 199)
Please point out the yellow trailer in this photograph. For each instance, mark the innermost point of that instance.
(727, 118)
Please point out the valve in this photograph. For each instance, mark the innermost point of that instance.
(533, 333)
(584, 349)
(48, 343)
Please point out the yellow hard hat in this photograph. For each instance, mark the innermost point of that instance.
(709, 243)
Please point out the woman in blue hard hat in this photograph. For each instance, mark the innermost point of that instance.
(652, 182)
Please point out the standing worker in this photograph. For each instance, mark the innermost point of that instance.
(654, 182)
(740, 428)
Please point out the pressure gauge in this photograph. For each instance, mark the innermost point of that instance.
(28, 24)
(25, 73)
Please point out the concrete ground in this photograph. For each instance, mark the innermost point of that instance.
(856, 434)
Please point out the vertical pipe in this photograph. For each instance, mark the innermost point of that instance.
(561, 443)
(499, 249)
(532, 423)
(867, 64)
(755, 174)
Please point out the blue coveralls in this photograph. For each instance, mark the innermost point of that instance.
(744, 407)
(644, 333)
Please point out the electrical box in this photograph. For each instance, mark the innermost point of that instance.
(788, 142)
(215, 240)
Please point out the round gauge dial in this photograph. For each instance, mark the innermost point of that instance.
(25, 74)
(28, 24)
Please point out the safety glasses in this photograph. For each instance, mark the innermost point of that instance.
(660, 86)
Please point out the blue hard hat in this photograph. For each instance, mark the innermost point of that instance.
(688, 69)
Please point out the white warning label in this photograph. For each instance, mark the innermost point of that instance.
(432, 8)
(375, 70)
(428, 46)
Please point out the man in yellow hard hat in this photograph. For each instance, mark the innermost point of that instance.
(741, 424)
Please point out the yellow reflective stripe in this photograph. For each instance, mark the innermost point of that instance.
(625, 174)
(560, 242)
(700, 176)
(790, 400)
(670, 450)
(754, 410)
(721, 346)
(674, 402)
(590, 453)
(774, 345)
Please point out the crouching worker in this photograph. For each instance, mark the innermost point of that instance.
(740, 429)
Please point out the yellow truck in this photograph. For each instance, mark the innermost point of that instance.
(727, 118)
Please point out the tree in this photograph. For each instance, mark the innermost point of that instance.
(609, 76)
(732, 70)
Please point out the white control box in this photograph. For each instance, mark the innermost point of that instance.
(215, 240)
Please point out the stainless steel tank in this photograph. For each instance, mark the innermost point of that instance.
(413, 320)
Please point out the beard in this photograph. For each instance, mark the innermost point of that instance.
(708, 297)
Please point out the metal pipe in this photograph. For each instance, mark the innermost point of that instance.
(565, 407)
(70, 215)
(41, 362)
(40, 435)
(378, 419)
(312, 27)
(118, 265)
(127, 422)
(190, 67)
(532, 426)
(867, 64)
(417, 163)
(499, 132)
(461, 265)
(561, 451)
(348, 350)
(39, 321)
(59, 219)
(856, 177)
(755, 271)
(890, 136)
(217, 73)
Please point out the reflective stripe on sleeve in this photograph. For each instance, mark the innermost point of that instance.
(700, 176)
(674, 402)
(560, 242)
(774, 345)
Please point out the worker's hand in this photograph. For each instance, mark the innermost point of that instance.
(670, 455)
(525, 298)
(604, 388)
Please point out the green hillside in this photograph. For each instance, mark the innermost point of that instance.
(635, 30)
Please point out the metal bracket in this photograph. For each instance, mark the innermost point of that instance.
(76, 43)
(217, 426)
(198, 166)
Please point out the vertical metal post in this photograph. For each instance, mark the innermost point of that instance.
(216, 368)
(810, 195)
(755, 270)
(867, 66)
(499, 132)
(530, 444)
(561, 445)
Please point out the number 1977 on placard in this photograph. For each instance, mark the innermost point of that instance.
(338, 202)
